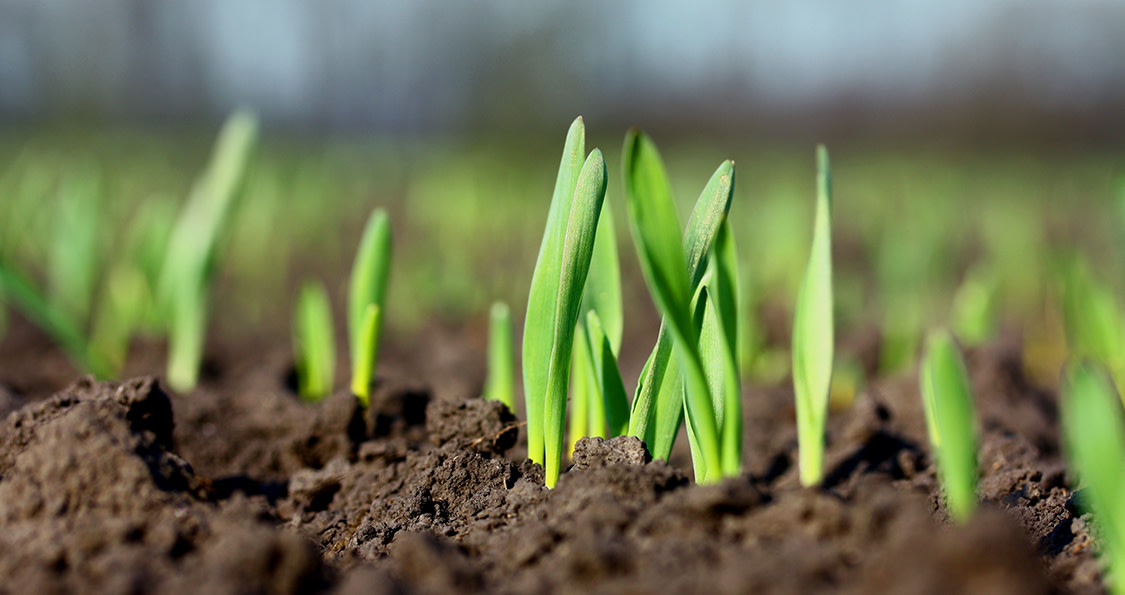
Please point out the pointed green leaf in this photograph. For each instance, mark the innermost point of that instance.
(655, 225)
(501, 357)
(578, 246)
(539, 323)
(1093, 429)
(368, 287)
(813, 336)
(313, 343)
(951, 420)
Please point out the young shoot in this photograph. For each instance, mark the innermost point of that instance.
(947, 400)
(366, 296)
(673, 278)
(540, 324)
(314, 343)
(575, 255)
(189, 263)
(500, 385)
(813, 335)
(1093, 428)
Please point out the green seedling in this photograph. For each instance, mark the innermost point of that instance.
(185, 278)
(555, 297)
(20, 293)
(974, 307)
(72, 265)
(1093, 429)
(314, 345)
(813, 335)
(500, 385)
(367, 288)
(1095, 328)
(540, 324)
(673, 280)
(947, 400)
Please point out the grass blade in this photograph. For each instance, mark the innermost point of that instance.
(72, 266)
(367, 287)
(655, 225)
(951, 420)
(20, 293)
(500, 385)
(1093, 429)
(813, 335)
(578, 247)
(313, 343)
(185, 277)
(539, 323)
(723, 293)
(657, 408)
(363, 371)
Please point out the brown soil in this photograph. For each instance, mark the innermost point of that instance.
(241, 488)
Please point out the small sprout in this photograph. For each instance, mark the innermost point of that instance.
(974, 307)
(947, 400)
(368, 353)
(20, 293)
(1093, 428)
(368, 287)
(577, 250)
(72, 267)
(813, 335)
(313, 343)
(189, 264)
(673, 280)
(500, 385)
(539, 324)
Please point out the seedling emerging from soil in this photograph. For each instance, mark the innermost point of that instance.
(368, 288)
(674, 282)
(19, 292)
(947, 400)
(185, 281)
(1093, 320)
(1094, 431)
(313, 343)
(501, 358)
(813, 334)
(72, 265)
(555, 298)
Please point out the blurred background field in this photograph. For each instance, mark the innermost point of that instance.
(977, 148)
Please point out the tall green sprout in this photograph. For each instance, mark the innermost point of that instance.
(947, 400)
(539, 323)
(366, 297)
(1093, 428)
(672, 278)
(189, 263)
(813, 334)
(501, 358)
(555, 297)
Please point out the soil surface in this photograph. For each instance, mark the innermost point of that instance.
(241, 488)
